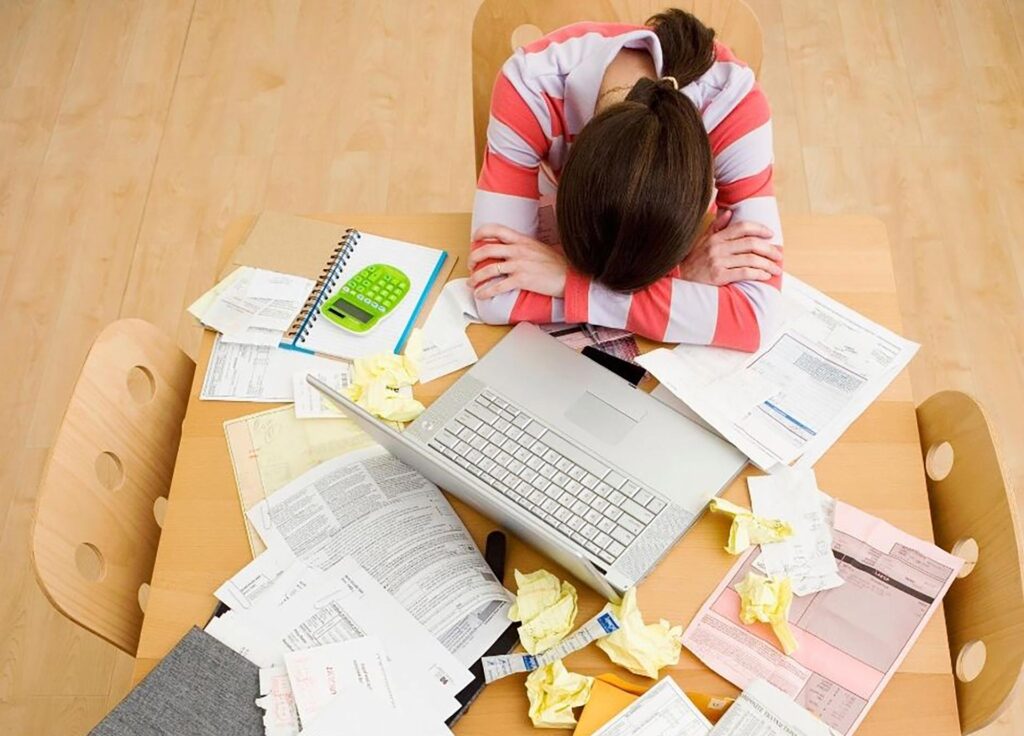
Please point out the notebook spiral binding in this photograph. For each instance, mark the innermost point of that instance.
(325, 284)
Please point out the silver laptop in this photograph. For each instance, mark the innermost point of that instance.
(594, 473)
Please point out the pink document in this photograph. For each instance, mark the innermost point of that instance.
(851, 638)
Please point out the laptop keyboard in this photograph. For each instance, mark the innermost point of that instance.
(566, 488)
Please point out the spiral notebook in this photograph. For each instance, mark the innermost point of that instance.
(331, 254)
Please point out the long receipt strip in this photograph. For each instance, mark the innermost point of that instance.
(600, 626)
(793, 398)
(761, 710)
(403, 531)
(851, 639)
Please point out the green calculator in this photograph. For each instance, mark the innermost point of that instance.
(367, 298)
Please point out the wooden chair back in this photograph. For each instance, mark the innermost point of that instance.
(502, 26)
(975, 517)
(103, 491)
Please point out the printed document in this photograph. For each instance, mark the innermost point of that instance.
(252, 305)
(851, 639)
(763, 710)
(238, 372)
(446, 346)
(806, 557)
(664, 710)
(305, 608)
(793, 398)
(270, 448)
(310, 403)
(402, 530)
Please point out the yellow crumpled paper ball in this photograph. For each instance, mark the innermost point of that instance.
(381, 382)
(643, 649)
(546, 607)
(553, 692)
(768, 600)
(747, 528)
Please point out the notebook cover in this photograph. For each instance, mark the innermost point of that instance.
(201, 688)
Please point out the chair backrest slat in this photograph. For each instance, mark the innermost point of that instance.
(975, 516)
(95, 534)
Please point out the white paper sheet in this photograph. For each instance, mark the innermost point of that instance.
(793, 398)
(805, 558)
(369, 716)
(256, 373)
(253, 305)
(241, 591)
(310, 403)
(763, 710)
(664, 710)
(403, 531)
(446, 347)
(281, 717)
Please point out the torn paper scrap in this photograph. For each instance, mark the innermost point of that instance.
(805, 558)
(378, 380)
(767, 600)
(553, 692)
(546, 607)
(641, 648)
(748, 529)
(280, 717)
(310, 403)
(596, 628)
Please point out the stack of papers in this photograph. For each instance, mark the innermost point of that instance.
(851, 639)
(292, 618)
(793, 398)
(253, 306)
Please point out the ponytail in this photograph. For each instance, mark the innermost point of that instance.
(687, 45)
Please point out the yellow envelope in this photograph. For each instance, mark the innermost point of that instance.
(546, 607)
(747, 528)
(611, 694)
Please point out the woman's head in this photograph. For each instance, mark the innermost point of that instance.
(638, 179)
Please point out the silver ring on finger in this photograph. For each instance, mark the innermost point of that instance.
(498, 266)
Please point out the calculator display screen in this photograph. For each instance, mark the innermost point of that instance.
(346, 309)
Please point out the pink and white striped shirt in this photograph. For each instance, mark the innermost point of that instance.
(544, 95)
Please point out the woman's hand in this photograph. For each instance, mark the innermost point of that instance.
(730, 252)
(520, 262)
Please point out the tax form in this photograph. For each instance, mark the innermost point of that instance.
(793, 398)
(240, 372)
(402, 530)
(664, 710)
(851, 639)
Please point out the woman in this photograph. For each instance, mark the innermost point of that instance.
(635, 128)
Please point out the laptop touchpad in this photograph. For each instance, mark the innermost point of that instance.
(601, 419)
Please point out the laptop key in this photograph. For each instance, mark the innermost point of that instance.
(484, 415)
(470, 421)
(549, 506)
(562, 480)
(592, 516)
(614, 479)
(603, 490)
(590, 481)
(548, 471)
(622, 536)
(616, 499)
(447, 439)
(603, 540)
(563, 514)
(535, 429)
(579, 507)
(606, 525)
(562, 447)
(600, 504)
(576, 523)
(643, 497)
(634, 509)
(615, 549)
(521, 421)
(613, 513)
(586, 496)
(630, 489)
(514, 432)
(656, 505)
(630, 524)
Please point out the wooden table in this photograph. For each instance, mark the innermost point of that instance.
(876, 466)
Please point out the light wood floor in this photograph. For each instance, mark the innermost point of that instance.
(132, 133)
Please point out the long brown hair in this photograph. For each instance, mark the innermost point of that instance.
(638, 179)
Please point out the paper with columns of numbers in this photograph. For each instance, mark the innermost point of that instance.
(850, 639)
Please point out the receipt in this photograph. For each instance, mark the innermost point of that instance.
(596, 628)
(446, 347)
(747, 528)
(281, 717)
(767, 601)
(805, 558)
(546, 607)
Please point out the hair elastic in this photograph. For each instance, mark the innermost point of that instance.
(673, 80)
